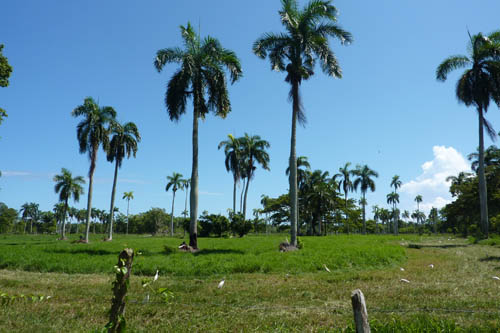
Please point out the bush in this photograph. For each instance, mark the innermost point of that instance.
(239, 225)
(213, 224)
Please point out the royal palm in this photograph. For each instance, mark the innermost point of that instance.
(365, 182)
(122, 144)
(396, 183)
(128, 196)
(479, 84)
(175, 182)
(92, 132)
(201, 73)
(67, 187)
(295, 52)
(232, 151)
(346, 184)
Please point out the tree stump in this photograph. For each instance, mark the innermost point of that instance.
(120, 286)
(360, 313)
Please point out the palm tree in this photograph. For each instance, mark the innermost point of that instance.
(365, 182)
(67, 187)
(185, 187)
(418, 200)
(393, 198)
(175, 182)
(232, 150)
(396, 183)
(92, 133)
(491, 157)
(253, 150)
(201, 72)
(457, 181)
(122, 144)
(346, 184)
(302, 167)
(128, 196)
(30, 211)
(479, 84)
(296, 52)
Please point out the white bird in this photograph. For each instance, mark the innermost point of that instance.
(402, 269)
(221, 284)
(496, 278)
(326, 268)
(431, 266)
(404, 280)
(156, 276)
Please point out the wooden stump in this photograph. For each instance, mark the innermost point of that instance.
(360, 313)
(120, 286)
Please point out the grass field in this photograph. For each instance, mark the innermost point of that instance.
(297, 295)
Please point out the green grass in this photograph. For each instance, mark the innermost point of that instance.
(457, 295)
(218, 256)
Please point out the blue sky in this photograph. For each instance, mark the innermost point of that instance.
(388, 111)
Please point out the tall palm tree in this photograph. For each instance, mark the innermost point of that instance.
(296, 52)
(418, 200)
(175, 182)
(396, 183)
(185, 187)
(92, 133)
(345, 183)
(30, 211)
(393, 198)
(68, 187)
(479, 84)
(253, 150)
(365, 182)
(128, 196)
(122, 144)
(302, 167)
(202, 63)
(232, 150)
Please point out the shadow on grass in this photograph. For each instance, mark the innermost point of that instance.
(490, 258)
(218, 251)
(92, 252)
(444, 246)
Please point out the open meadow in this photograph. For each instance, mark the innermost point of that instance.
(264, 290)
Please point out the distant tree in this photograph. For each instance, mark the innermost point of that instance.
(175, 182)
(491, 157)
(201, 73)
(92, 133)
(68, 187)
(185, 188)
(365, 182)
(253, 150)
(128, 196)
(30, 211)
(5, 71)
(433, 216)
(8, 218)
(233, 161)
(296, 52)
(345, 183)
(393, 198)
(479, 84)
(418, 200)
(123, 144)
(457, 182)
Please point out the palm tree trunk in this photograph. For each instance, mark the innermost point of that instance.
(396, 226)
(234, 197)
(128, 205)
(483, 199)
(241, 196)
(293, 165)
(193, 230)
(346, 215)
(172, 217)
(245, 199)
(89, 197)
(112, 206)
(364, 215)
(63, 229)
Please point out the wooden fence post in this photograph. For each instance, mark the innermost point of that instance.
(360, 314)
(120, 286)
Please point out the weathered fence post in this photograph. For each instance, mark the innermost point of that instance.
(120, 285)
(360, 314)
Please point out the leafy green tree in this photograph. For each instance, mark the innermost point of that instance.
(433, 217)
(123, 144)
(479, 84)
(491, 157)
(365, 182)
(296, 52)
(320, 195)
(128, 196)
(201, 73)
(8, 218)
(175, 182)
(457, 182)
(232, 150)
(92, 133)
(30, 211)
(5, 71)
(253, 150)
(68, 187)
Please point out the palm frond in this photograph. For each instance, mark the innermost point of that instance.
(169, 55)
(176, 94)
(450, 64)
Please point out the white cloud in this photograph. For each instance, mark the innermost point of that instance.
(210, 193)
(432, 184)
(16, 173)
